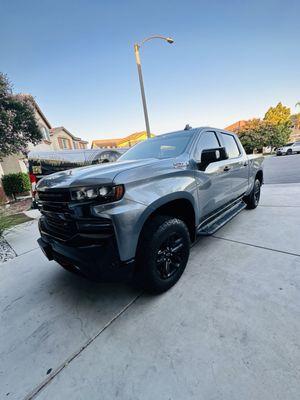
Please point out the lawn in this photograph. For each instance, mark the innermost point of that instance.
(8, 221)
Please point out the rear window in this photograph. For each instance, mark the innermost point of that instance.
(231, 145)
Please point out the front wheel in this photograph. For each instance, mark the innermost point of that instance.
(163, 253)
(252, 199)
(289, 152)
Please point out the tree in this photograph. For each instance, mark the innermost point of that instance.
(278, 125)
(18, 126)
(253, 135)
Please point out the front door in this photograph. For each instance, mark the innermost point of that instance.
(213, 183)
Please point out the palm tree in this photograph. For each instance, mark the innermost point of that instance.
(297, 104)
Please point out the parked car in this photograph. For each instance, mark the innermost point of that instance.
(136, 218)
(288, 149)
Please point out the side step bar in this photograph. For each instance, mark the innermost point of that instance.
(210, 227)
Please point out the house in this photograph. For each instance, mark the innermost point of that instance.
(15, 163)
(127, 141)
(236, 127)
(62, 139)
(295, 135)
(53, 139)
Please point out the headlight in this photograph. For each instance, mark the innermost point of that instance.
(105, 194)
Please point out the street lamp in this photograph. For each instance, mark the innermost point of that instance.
(139, 67)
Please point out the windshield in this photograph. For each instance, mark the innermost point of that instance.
(164, 146)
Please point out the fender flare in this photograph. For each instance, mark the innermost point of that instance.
(163, 201)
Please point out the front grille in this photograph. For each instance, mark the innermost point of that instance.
(57, 226)
(65, 223)
(55, 196)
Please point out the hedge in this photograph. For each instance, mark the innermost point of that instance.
(17, 183)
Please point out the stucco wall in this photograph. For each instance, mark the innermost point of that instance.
(10, 164)
(43, 145)
(62, 134)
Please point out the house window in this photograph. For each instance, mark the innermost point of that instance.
(45, 132)
(75, 144)
(64, 143)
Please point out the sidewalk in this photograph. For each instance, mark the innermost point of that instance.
(229, 329)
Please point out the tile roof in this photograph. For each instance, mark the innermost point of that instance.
(115, 142)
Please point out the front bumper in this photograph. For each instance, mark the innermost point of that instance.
(97, 260)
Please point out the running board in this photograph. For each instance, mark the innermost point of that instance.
(212, 226)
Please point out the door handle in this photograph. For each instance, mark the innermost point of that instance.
(245, 164)
(226, 168)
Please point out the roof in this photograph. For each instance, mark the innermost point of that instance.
(62, 128)
(236, 126)
(115, 142)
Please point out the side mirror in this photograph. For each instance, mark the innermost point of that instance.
(209, 156)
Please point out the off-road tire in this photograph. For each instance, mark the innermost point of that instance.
(252, 199)
(160, 235)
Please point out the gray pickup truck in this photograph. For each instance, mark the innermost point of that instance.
(136, 218)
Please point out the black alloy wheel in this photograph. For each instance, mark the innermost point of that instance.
(162, 254)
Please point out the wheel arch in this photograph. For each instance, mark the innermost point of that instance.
(180, 205)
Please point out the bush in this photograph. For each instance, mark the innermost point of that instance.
(17, 183)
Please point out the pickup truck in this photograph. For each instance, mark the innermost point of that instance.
(137, 218)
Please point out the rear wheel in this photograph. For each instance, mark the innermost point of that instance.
(162, 254)
(252, 199)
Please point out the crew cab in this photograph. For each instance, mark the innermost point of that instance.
(136, 218)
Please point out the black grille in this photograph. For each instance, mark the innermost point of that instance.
(55, 196)
(58, 227)
(73, 224)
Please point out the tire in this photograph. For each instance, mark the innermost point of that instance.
(162, 254)
(289, 152)
(252, 199)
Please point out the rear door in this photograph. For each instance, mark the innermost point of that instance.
(213, 184)
(237, 165)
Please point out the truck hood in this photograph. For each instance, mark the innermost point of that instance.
(92, 175)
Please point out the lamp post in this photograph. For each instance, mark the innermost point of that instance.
(139, 68)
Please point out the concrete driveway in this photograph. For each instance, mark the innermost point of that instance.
(228, 330)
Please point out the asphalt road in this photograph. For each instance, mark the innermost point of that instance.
(283, 169)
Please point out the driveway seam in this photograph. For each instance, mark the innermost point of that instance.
(46, 381)
(267, 205)
(257, 246)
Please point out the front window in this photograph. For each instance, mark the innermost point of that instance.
(161, 147)
(208, 140)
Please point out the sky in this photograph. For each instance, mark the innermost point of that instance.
(231, 60)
